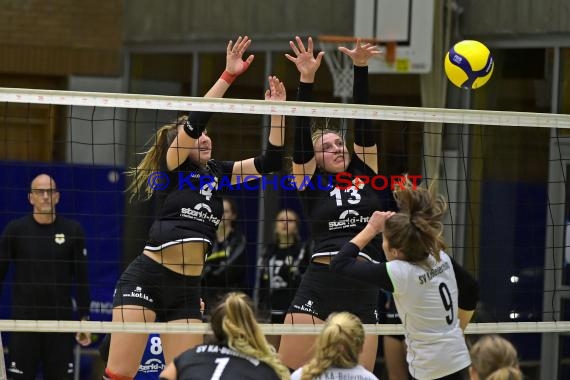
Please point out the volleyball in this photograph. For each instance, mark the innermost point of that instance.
(469, 64)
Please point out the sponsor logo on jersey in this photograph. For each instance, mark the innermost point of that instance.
(348, 219)
(152, 365)
(59, 239)
(201, 213)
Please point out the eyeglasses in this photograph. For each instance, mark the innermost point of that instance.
(40, 192)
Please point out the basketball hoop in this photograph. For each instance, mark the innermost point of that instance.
(340, 64)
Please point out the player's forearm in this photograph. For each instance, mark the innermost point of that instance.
(464, 317)
(277, 131)
(364, 237)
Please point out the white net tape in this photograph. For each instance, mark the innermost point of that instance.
(269, 329)
(288, 108)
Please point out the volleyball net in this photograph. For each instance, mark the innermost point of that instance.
(504, 175)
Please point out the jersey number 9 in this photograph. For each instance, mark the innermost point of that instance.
(447, 302)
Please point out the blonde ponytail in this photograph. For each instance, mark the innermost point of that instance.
(151, 162)
(495, 358)
(338, 345)
(233, 320)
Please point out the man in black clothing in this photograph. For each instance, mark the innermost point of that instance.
(48, 255)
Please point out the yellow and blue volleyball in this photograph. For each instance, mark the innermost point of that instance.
(468, 64)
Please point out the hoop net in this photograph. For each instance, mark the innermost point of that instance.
(340, 64)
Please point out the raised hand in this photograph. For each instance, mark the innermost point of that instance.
(378, 220)
(276, 90)
(361, 53)
(306, 62)
(235, 65)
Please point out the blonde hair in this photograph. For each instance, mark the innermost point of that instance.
(319, 132)
(417, 229)
(151, 162)
(233, 321)
(338, 345)
(495, 358)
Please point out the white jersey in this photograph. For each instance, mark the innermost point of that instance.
(333, 373)
(427, 304)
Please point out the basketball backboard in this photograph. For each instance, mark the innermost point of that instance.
(407, 22)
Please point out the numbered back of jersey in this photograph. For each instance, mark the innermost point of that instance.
(152, 362)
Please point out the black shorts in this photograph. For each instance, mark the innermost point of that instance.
(165, 233)
(169, 294)
(323, 292)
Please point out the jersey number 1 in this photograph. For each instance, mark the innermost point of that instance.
(221, 364)
(447, 302)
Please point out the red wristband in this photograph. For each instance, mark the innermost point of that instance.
(229, 78)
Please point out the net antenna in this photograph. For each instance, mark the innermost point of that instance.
(340, 64)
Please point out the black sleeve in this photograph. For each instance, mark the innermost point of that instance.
(363, 133)
(196, 124)
(199, 119)
(81, 273)
(467, 286)
(271, 160)
(303, 146)
(345, 263)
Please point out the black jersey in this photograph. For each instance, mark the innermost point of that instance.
(281, 275)
(191, 205)
(335, 216)
(216, 361)
(48, 259)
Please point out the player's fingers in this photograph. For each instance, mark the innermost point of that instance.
(300, 44)
(294, 48)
